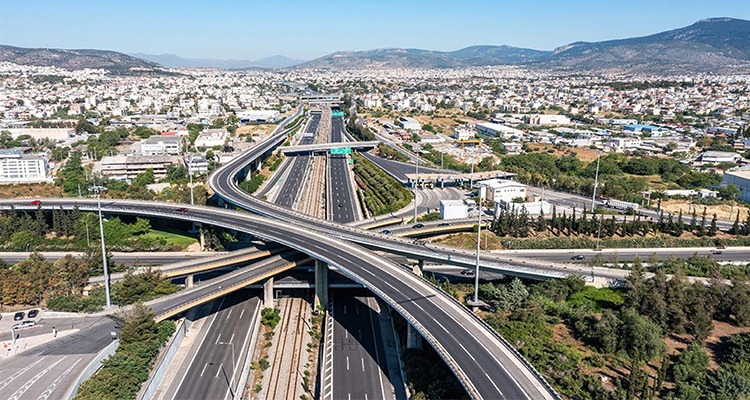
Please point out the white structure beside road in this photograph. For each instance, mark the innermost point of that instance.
(502, 190)
(453, 209)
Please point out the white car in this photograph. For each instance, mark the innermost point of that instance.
(24, 324)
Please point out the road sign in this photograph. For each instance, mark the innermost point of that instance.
(337, 114)
(341, 150)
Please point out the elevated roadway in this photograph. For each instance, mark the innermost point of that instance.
(484, 363)
(324, 147)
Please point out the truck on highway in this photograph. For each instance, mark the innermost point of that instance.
(621, 205)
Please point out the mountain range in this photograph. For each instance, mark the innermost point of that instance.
(709, 45)
(174, 61)
(714, 44)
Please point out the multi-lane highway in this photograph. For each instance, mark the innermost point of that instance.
(216, 363)
(342, 201)
(360, 369)
(295, 179)
(487, 366)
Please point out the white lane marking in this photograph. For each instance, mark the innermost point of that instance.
(467, 352)
(363, 364)
(217, 338)
(365, 396)
(51, 388)
(346, 334)
(218, 370)
(26, 386)
(493, 384)
(204, 368)
(231, 338)
(228, 314)
(15, 376)
(242, 313)
(347, 363)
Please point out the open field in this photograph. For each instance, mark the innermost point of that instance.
(30, 190)
(172, 238)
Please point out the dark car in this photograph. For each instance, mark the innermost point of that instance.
(36, 202)
(578, 257)
(340, 205)
(19, 316)
(417, 226)
(468, 272)
(182, 209)
(385, 232)
(33, 313)
(487, 307)
(443, 225)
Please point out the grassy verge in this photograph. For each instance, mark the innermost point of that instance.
(382, 194)
(171, 238)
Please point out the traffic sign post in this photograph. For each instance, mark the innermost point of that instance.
(341, 150)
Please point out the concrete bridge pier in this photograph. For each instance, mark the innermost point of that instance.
(413, 339)
(419, 268)
(189, 281)
(321, 284)
(268, 293)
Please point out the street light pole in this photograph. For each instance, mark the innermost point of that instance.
(231, 384)
(596, 182)
(99, 190)
(416, 186)
(479, 241)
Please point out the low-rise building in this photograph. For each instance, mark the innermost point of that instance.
(453, 209)
(532, 207)
(741, 179)
(16, 167)
(127, 167)
(621, 144)
(716, 157)
(501, 190)
(548, 119)
(211, 137)
(161, 145)
(431, 138)
(197, 164)
(460, 133)
(259, 116)
(499, 130)
(408, 123)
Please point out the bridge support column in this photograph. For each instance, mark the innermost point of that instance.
(419, 268)
(268, 293)
(321, 284)
(413, 339)
(189, 281)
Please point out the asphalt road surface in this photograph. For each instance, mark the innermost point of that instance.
(214, 368)
(49, 371)
(342, 198)
(360, 369)
(292, 186)
(399, 169)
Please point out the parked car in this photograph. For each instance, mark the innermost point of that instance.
(182, 209)
(578, 257)
(19, 316)
(33, 313)
(417, 226)
(36, 202)
(443, 225)
(24, 324)
(468, 272)
(487, 307)
(385, 232)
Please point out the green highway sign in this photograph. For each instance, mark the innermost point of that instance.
(341, 150)
(337, 113)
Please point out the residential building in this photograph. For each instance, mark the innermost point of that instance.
(161, 145)
(462, 133)
(16, 167)
(621, 144)
(127, 167)
(453, 209)
(211, 137)
(196, 163)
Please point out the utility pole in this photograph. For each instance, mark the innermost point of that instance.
(416, 183)
(99, 190)
(596, 182)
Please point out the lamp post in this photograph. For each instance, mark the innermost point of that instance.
(479, 241)
(416, 186)
(231, 383)
(596, 182)
(98, 190)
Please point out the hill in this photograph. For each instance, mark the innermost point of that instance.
(174, 61)
(709, 45)
(76, 59)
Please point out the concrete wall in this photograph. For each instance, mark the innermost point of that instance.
(94, 366)
(162, 363)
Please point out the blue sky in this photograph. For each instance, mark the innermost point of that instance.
(249, 29)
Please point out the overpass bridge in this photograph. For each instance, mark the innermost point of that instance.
(325, 147)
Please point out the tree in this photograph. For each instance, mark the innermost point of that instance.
(689, 372)
(70, 276)
(145, 178)
(640, 338)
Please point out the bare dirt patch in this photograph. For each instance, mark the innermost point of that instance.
(722, 210)
(30, 190)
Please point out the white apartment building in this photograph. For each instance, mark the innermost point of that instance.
(211, 137)
(463, 133)
(621, 144)
(161, 145)
(127, 167)
(16, 167)
(197, 164)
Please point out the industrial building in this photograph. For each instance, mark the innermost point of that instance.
(499, 190)
(16, 167)
(211, 137)
(408, 123)
(741, 179)
(258, 116)
(498, 130)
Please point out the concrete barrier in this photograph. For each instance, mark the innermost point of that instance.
(162, 362)
(94, 366)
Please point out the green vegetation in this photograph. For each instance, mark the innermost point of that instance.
(123, 373)
(386, 151)
(170, 238)
(270, 317)
(433, 216)
(251, 185)
(382, 194)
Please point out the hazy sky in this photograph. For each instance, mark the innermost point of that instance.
(250, 29)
